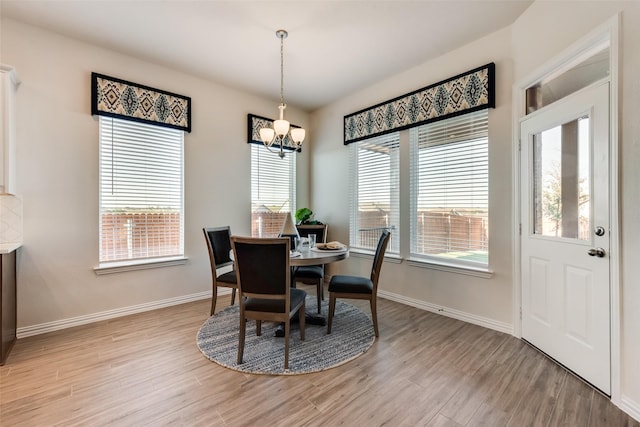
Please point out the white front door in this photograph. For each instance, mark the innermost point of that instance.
(565, 233)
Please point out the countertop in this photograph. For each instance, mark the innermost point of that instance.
(6, 248)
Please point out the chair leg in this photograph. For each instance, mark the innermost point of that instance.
(287, 327)
(243, 325)
(332, 308)
(319, 294)
(301, 321)
(258, 327)
(233, 296)
(214, 298)
(374, 315)
(322, 285)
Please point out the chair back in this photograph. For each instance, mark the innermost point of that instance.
(219, 244)
(319, 230)
(379, 257)
(262, 266)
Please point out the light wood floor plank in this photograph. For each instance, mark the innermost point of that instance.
(424, 370)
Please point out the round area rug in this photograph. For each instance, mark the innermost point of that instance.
(351, 335)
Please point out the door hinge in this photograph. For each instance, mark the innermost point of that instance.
(519, 144)
(520, 229)
(520, 313)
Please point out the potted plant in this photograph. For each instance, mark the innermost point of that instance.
(305, 216)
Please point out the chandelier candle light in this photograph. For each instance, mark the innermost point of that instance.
(281, 126)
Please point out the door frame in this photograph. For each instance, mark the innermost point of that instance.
(609, 30)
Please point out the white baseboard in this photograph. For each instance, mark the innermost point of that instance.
(56, 325)
(507, 328)
(630, 407)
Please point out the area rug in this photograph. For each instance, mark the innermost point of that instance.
(351, 336)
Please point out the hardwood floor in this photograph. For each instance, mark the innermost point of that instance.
(424, 370)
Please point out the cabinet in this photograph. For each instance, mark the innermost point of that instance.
(8, 317)
(9, 83)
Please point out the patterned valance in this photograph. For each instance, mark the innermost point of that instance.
(131, 101)
(253, 131)
(464, 93)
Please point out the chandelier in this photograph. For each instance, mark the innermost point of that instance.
(281, 127)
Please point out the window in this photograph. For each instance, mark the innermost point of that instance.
(375, 190)
(450, 190)
(591, 66)
(141, 191)
(273, 190)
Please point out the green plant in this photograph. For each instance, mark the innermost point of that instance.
(304, 215)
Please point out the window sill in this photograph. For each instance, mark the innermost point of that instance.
(364, 253)
(145, 264)
(484, 273)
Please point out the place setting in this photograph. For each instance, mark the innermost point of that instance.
(329, 247)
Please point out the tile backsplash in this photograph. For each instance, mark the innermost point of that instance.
(10, 219)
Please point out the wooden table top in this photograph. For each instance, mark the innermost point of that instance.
(316, 257)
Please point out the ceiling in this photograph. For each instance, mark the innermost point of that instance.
(334, 48)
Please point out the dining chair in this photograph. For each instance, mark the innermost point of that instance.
(312, 274)
(265, 288)
(357, 287)
(219, 246)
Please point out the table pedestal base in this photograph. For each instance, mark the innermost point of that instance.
(309, 319)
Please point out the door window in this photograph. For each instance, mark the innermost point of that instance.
(561, 187)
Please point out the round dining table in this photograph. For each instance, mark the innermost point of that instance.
(315, 256)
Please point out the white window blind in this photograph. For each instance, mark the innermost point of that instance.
(450, 189)
(375, 190)
(141, 191)
(273, 190)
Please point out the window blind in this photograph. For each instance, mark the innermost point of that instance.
(375, 190)
(141, 191)
(273, 190)
(449, 189)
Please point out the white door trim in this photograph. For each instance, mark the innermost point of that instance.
(608, 30)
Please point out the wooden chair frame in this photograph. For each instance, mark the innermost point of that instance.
(261, 315)
(304, 230)
(372, 297)
(226, 280)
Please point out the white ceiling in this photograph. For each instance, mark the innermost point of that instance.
(334, 47)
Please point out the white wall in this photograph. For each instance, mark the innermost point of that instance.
(57, 176)
(480, 300)
(542, 32)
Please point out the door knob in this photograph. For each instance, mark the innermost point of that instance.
(599, 231)
(599, 252)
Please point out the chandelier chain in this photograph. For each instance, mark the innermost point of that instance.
(282, 69)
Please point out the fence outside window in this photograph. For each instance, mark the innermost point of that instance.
(136, 235)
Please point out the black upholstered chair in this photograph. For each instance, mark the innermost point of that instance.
(312, 274)
(265, 288)
(219, 245)
(356, 287)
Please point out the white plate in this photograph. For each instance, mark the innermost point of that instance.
(316, 249)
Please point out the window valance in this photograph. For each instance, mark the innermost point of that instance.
(131, 101)
(255, 123)
(464, 93)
